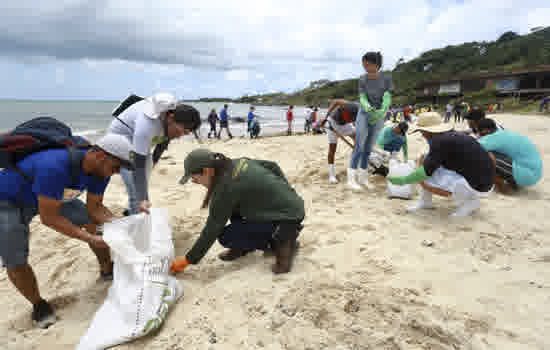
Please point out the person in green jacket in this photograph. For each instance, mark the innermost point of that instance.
(394, 138)
(265, 211)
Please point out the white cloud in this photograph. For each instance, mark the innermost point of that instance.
(287, 43)
(239, 74)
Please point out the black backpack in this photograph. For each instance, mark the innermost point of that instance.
(37, 135)
(124, 105)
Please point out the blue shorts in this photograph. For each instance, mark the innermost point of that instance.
(14, 228)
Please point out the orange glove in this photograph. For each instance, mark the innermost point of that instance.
(178, 264)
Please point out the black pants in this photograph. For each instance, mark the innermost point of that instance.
(504, 168)
(224, 124)
(212, 129)
(241, 234)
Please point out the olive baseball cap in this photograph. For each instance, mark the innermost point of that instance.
(196, 161)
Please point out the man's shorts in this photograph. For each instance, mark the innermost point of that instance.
(14, 228)
(454, 183)
(346, 130)
(504, 167)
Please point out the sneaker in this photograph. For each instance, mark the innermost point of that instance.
(43, 315)
(333, 180)
(467, 207)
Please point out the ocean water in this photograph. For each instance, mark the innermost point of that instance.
(89, 118)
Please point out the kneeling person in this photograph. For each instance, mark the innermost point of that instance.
(341, 115)
(265, 211)
(52, 195)
(456, 166)
(517, 161)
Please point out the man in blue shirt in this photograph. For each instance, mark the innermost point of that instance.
(517, 161)
(224, 122)
(50, 189)
(250, 118)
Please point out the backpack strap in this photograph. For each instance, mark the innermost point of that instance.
(75, 161)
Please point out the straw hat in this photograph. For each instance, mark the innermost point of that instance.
(431, 122)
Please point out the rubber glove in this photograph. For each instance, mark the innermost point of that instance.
(179, 264)
(416, 176)
(365, 105)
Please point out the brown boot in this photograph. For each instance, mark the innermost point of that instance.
(232, 254)
(284, 255)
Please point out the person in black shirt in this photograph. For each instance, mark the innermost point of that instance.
(456, 166)
(212, 119)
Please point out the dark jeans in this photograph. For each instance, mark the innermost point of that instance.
(241, 234)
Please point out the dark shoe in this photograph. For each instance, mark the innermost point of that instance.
(126, 212)
(107, 276)
(284, 255)
(233, 254)
(43, 315)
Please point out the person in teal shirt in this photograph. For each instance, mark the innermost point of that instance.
(393, 138)
(518, 162)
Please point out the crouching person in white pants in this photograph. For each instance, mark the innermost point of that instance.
(456, 166)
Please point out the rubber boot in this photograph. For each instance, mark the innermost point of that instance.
(352, 181)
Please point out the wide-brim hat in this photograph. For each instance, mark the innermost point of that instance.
(431, 122)
(158, 104)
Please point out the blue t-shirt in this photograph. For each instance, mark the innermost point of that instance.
(526, 160)
(51, 171)
(223, 114)
(250, 116)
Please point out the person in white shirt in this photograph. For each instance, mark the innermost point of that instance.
(153, 121)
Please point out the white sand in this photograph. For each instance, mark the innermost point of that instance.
(363, 278)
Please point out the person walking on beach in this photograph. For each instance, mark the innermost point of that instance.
(212, 120)
(151, 122)
(340, 117)
(455, 167)
(375, 90)
(289, 119)
(52, 193)
(448, 112)
(518, 162)
(544, 103)
(251, 117)
(237, 190)
(224, 122)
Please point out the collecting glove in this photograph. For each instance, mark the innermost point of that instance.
(416, 176)
(365, 105)
(178, 264)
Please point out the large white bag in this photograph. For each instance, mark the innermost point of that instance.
(397, 168)
(142, 291)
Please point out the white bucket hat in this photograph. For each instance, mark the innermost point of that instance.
(117, 146)
(431, 122)
(159, 103)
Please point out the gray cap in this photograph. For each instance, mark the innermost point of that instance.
(196, 161)
(117, 146)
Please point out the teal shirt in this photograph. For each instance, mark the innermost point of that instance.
(526, 160)
(386, 136)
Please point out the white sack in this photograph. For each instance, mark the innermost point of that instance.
(142, 291)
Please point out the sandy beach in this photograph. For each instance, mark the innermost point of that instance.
(368, 275)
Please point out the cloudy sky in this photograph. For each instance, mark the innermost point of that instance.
(104, 49)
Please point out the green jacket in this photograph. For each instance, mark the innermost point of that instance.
(258, 191)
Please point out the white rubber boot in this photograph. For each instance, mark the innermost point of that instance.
(332, 174)
(424, 202)
(363, 177)
(352, 182)
(467, 207)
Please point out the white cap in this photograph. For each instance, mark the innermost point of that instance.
(117, 146)
(159, 103)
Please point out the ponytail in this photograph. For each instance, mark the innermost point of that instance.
(221, 165)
